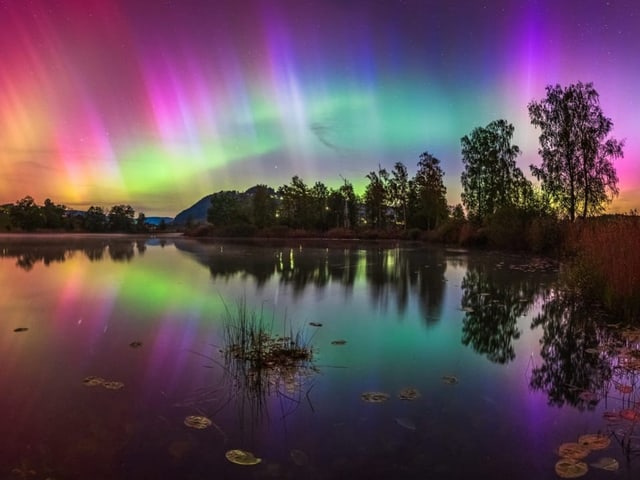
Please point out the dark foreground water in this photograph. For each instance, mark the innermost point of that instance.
(505, 368)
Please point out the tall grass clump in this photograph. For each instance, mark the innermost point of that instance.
(606, 267)
(262, 362)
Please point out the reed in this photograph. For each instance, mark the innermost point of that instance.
(607, 263)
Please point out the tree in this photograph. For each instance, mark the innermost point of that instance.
(295, 204)
(577, 170)
(431, 193)
(399, 190)
(491, 179)
(26, 215)
(95, 220)
(226, 209)
(376, 198)
(343, 206)
(264, 206)
(120, 218)
(141, 223)
(319, 205)
(54, 215)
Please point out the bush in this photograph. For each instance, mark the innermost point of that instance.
(544, 235)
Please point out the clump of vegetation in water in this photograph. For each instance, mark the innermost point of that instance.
(248, 338)
(264, 360)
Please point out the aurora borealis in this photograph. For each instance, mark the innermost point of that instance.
(156, 103)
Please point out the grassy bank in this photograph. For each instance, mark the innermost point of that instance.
(605, 263)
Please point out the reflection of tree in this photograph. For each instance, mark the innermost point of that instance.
(493, 300)
(570, 372)
(30, 251)
(121, 251)
(394, 273)
(391, 273)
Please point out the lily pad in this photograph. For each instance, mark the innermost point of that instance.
(409, 393)
(450, 379)
(570, 468)
(624, 389)
(375, 397)
(242, 457)
(112, 385)
(92, 381)
(338, 342)
(629, 414)
(606, 463)
(594, 441)
(20, 329)
(315, 324)
(198, 422)
(573, 450)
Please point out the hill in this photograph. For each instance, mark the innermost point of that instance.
(196, 213)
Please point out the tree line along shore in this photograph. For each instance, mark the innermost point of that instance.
(561, 214)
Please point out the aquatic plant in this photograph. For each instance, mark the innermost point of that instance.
(259, 362)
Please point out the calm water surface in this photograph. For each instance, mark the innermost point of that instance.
(507, 369)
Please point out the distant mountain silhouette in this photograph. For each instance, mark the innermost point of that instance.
(196, 213)
(158, 220)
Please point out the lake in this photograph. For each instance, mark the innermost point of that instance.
(110, 343)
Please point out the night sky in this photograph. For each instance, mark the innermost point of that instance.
(156, 103)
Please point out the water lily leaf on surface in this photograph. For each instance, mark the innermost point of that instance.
(20, 329)
(112, 385)
(406, 423)
(338, 342)
(409, 393)
(624, 389)
(198, 422)
(571, 468)
(573, 450)
(315, 324)
(606, 463)
(299, 457)
(93, 381)
(450, 379)
(242, 457)
(594, 441)
(629, 414)
(375, 397)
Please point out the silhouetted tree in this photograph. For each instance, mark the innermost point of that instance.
(319, 198)
(264, 206)
(577, 170)
(431, 207)
(25, 214)
(141, 223)
(376, 196)
(54, 215)
(95, 220)
(343, 206)
(227, 208)
(121, 218)
(491, 179)
(399, 191)
(295, 206)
